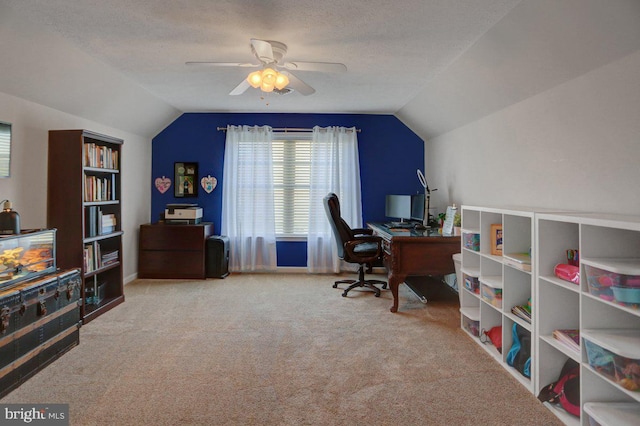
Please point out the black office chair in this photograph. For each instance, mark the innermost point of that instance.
(354, 246)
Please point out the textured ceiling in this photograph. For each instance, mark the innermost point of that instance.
(435, 64)
(391, 49)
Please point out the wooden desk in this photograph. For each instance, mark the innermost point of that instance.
(415, 253)
(173, 251)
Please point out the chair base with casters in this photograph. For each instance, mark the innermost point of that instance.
(355, 245)
(361, 282)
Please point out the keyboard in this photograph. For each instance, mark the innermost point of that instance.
(406, 225)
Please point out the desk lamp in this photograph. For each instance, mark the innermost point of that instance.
(427, 196)
(9, 219)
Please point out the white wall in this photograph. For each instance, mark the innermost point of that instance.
(575, 146)
(27, 186)
(41, 66)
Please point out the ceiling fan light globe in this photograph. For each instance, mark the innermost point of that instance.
(281, 81)
(269, 76)
(266, 87)
(255, 79)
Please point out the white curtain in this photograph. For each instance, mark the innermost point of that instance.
(248, 214)
(335, 167)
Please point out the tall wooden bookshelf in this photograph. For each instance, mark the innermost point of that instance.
(84, 193)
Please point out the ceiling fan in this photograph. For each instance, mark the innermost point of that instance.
(276, 73)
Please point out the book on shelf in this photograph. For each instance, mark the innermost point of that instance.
(109, 219)
(569, 337)
(519, 260)
(91, 214)
(522, 311)
(97, 256)
(88, 256)
(108, 229)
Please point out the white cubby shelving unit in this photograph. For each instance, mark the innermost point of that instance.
(604, 239)
(514, 282)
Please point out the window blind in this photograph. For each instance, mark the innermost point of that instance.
(291, 174)
(5, 149)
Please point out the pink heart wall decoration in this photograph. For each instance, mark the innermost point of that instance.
(163, 184)
(208, 183)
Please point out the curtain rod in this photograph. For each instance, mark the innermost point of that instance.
(286, 129)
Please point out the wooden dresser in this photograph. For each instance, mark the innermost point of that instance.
(173, 251)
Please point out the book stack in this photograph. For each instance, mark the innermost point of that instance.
(107, 223)
(99, 223)
(109, 258)
(522, 311)
(568, 337)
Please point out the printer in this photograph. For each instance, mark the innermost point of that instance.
(183, 213)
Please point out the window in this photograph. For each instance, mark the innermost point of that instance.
(291, 175)
(5, 148)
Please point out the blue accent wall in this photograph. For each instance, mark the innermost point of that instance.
(390, 153)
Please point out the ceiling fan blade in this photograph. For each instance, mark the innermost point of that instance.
(240, 88)
(298, 85)
(224, 64)
(315, 66)
(262, 50)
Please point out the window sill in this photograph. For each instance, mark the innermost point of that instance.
(291, 238)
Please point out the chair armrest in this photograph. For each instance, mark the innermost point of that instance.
(349, 248)
(359, 239)
(362, 231)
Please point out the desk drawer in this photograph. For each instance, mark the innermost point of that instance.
(174, 237)
(386, 246)
(171, 264)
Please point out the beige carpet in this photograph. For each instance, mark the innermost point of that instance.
(282, 349)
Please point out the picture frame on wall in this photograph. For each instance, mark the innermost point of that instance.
(496, 239)
(185, 180)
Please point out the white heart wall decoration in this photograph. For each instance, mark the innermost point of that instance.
(163, 184)
(208, 183)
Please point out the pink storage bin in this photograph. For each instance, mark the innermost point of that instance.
(603, 274)
(615, 355)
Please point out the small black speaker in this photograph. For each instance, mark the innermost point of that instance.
(217, 263)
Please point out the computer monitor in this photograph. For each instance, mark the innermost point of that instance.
(417, 207)
(398, 207)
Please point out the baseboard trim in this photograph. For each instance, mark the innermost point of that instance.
(303, 270)
(292, 269)
(279, 269)
(130, 278)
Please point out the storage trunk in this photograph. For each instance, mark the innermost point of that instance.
(40, 320)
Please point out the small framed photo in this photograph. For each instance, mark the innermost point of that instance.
(496, 239)
(185, 180)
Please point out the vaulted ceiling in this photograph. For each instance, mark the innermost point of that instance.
(436, 64)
